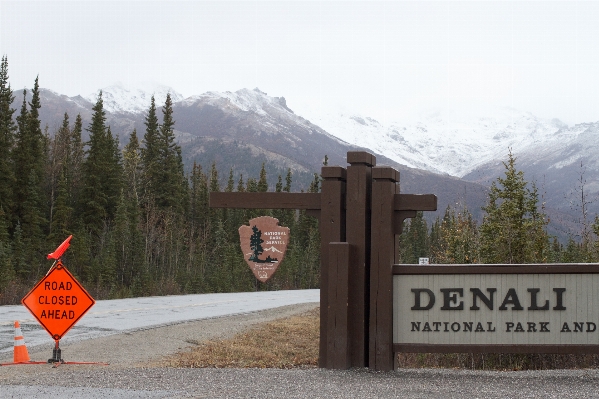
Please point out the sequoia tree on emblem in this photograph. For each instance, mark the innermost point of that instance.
(263, 243)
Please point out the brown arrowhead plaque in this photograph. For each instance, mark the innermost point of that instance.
(264, 243)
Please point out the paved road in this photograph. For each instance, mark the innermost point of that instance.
(126, 315)
(123, 379)
(91, 383)
(108, 319)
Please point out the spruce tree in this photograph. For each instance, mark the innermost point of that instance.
(8, 129)
(150, 153)
(76, 159)
(7, 271)
(121, 241)
(414, 240)
(230, 182)
(132, 166)
(34, 121)
(198, 198)
(62, 151)
(287, 216)
(287, 187)
(457, 238)
(240, 184)
(513, 228)
(132, 171)
(251, 185)
(29, 160)
(102, 173)
(58, 166)
(214, 186)
(115, 175)
(62, 211)
(20, 161)
(163, 164)
(172, 187)
(262, 182)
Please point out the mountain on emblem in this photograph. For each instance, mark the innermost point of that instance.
(272, 249)
(264, 235)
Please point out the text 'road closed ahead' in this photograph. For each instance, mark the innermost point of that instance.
(58, 301)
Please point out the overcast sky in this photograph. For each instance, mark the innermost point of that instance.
(385, 59)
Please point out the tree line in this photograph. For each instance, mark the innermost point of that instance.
(140, 224)
(513, 230)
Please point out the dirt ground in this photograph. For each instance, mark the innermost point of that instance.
(145, 348)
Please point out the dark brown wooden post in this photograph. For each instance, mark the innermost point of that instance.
(383, 245)
(359, 183)
(345, 214)
(340, 254)
(332, 229)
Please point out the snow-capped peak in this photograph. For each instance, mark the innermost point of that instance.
(441, 142)
(246, 100)
(125, 98)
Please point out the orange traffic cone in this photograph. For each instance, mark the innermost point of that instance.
(20, 354)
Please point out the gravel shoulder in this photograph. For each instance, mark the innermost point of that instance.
(146, 347)
(134, 372)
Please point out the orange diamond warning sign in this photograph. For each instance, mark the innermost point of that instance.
(58, 301)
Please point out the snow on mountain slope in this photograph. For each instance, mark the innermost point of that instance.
(245, 100)
(269, 115)
(120, 98)
(440, 142)
(254, 118)
(443, 143)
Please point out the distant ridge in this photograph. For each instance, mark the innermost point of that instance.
(241, 130)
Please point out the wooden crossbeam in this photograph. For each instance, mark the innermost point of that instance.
(402, 202)
(415, 202)
(265, 200)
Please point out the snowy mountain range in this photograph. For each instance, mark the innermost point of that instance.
(561, 160)
(120, 98)
(452, 157)
(438, 142)
(442, 144)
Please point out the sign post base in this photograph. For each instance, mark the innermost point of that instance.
(56, 354)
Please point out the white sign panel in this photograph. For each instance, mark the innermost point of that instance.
(502, 309)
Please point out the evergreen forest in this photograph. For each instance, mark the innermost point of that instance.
(141, 225)
(513, 229)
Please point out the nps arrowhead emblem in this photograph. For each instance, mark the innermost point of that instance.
(264, 243)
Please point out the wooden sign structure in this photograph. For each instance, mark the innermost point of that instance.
(531, 308)
(360, 212)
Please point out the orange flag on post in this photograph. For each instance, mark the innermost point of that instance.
(61, 249)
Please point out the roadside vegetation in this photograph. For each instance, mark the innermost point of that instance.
(286, 343)
(293, 343)
(141, 226)
(513, 229)
(496, 361)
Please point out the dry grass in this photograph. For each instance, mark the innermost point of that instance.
(286, 343)
(293, 343)
(496, 361)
